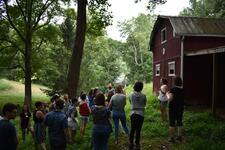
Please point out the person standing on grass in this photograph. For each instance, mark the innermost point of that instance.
(84, 114)
(25, 122)
(67, 103)
(101, 128)
(8, 136)
(39, 127)
(176, 109)
(163, 98)
(57, 124)
(72, 118)
(138, 102)
(118, 102)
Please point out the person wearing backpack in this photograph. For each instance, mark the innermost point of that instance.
(84, 111)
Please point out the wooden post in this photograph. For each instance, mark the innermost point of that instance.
(214, 84)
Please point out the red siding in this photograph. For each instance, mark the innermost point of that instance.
(198, 70)
(172, 48)
(200, 43)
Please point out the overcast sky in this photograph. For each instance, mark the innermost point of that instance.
(126, 9)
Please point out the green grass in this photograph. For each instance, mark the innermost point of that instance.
(11, 91)
(5, 85)
(202, 130)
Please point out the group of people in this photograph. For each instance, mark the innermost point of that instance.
(61, 117)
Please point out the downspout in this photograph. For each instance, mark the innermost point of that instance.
(182, 58)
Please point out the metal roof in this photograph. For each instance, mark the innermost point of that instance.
(192, 26)
(198, 26)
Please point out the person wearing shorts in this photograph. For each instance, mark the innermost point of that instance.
(176, 109)
(84, 111)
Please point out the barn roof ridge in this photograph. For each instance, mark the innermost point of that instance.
(192, 26)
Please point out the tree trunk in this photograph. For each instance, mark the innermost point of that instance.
(28, 55)
(28, 73)
(74, 68)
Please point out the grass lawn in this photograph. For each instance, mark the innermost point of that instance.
(202, 130)
(11, 91)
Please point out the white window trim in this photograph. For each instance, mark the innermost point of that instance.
(169, 63)
(164, 29)
(156, 66)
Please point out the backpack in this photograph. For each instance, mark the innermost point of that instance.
(84, 109)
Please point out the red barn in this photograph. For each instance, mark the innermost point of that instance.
(193, 48)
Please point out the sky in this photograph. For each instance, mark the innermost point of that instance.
(126, 9)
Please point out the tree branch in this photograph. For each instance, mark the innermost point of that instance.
(24, 17)
(14, 45)
(38, 47)
(5, 47)
(45, 24)
(11, 23)
(43, 9)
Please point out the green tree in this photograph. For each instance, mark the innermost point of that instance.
(25, 18)
(136, 54)
(102, 62)
(205, 8)
(99, 10)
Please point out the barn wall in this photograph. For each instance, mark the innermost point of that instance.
(198, 79)
(172, 53)
(200, 43)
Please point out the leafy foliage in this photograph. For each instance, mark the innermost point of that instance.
(136, 53)
(205, 8)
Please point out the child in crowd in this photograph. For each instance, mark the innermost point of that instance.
(39, 127)
(84, 113)
(72, 119)
(25, 121)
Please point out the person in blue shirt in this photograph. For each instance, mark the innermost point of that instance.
(57, 127)
(8, 136)
(90, 98)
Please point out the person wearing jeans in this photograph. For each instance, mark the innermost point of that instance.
(102, 127)
(118, 102)
(138, 103)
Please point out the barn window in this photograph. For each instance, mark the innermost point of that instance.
(163, 35)
(157, 70)
(171, 68)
